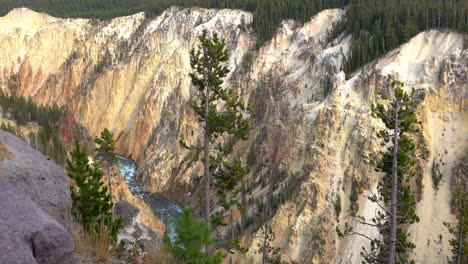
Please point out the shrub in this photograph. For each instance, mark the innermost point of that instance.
(193, 237)
(91, 202)
(436, 174)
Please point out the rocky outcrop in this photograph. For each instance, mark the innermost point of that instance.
(36, 176)
(135, 231)
(310, 129)
(27, 234)
(135, 228)
(132, 208)
(126, 210)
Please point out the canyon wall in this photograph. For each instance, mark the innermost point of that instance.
(310, 129)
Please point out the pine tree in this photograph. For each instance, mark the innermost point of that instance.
(105, 155)
(91, 202)
(219, 174)
(268, 252)
(460, 229)
(193, 236)
(395, 198)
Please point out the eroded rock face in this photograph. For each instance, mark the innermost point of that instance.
(126, 210)
(36, 176)
(132, 208)
(135, 231)
(28, 235)
(311, 124)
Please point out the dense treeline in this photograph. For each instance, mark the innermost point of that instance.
(267, 13)
(381, 25)
(23, 111)
(378, 25)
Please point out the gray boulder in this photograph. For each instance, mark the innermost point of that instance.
(126, 210)
(27, 234)
(37, 176)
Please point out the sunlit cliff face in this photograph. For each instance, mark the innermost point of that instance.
(131, 76)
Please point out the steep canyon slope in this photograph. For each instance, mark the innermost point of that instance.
(311, 126)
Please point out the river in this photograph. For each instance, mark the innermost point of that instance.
(164, 209)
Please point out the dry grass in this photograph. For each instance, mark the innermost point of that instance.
(92, 247)
(96, 248)
(159, 256)
(83, 246)
(82, 241)
(102, 242)
(150, 258)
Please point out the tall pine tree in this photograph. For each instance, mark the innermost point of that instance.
(221, 112)
(268, 252)
(395, 198)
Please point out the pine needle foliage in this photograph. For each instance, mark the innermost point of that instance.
(377, 26)
(24, 110)
(395, 198)
(105, 154)
(105, 148)
(225, 120)
(270, 254)
(460, 229)
(221, 112)
(91, 201)
(193, 237)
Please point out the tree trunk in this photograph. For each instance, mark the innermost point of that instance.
(460, 239)
(206, 151)
(393, 203)
(455, 16)
(267, 229)
(110, 185)
(438, 15)
(265, 241)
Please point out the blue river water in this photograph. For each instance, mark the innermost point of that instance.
(164, 209)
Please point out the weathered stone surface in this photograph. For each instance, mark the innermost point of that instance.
(142, 227)
(37, 176)
(145, 215)
(136, 231)
(27, 234)
(126, 210)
